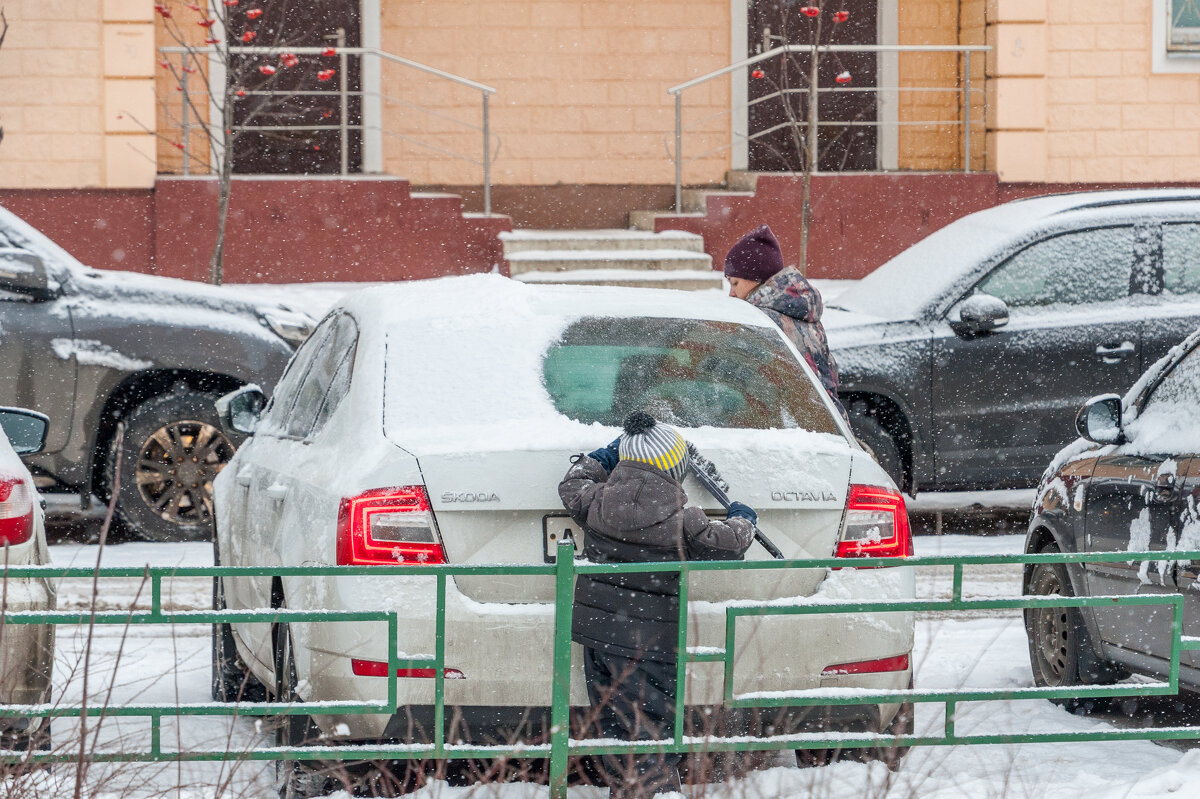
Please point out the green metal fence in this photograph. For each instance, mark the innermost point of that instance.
(561, 746)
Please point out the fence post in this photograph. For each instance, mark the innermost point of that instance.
(966, 111)
(487, 157)
(184, 123)
(560, 702)
(679, 152)
(344, 104)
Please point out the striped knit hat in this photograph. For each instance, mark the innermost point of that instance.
(659, 445)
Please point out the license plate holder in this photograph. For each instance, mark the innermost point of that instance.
(554, 527)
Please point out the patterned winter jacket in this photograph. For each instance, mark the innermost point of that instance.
(792, 302)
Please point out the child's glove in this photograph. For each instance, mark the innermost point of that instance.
(608, 456)
(742, 511)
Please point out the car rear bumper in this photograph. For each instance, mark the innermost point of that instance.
(504, 651)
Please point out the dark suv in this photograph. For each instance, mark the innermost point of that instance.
(127, 366)
(1130, 484)
(964, 358)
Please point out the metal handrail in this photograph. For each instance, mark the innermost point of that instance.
(343, 53)
(965, 50)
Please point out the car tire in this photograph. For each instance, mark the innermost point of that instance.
(170, 452)
(879, 442)
(297, 779)
(231, 680)
(1061, 652)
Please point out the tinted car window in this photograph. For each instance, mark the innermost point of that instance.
(313, 389)
(686, 372)
(1181, 258)
(284, 396)
(1170, 415)
(1079, 268)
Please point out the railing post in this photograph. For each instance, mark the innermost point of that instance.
(560, 702)
(679, 152)
(966, 111)
(343, 88)
(487, 158)
(183, 86)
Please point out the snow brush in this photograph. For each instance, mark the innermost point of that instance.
(706, 472)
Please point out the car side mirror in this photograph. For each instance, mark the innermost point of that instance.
(240, 410)
(26, 430)
(981, 313)
(1099, 420)
(23, 272)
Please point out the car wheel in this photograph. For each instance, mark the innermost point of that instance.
(231, 680)
(297, 779)
(1061, 652)
(172, 449)
(875, 438)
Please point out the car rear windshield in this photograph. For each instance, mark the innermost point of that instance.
(690, 373)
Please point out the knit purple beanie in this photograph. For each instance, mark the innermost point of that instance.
(756, 256)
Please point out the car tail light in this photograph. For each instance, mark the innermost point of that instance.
(388, 526)
(898, 663)
(876, 525)
(16, 511)
(375, 668)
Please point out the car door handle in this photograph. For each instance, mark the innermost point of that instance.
(277, 492)
(1116, 354)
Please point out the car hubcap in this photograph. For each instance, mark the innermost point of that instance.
(176, 467)
(1053, 629)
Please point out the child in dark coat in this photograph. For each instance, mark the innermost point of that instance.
(628, 496)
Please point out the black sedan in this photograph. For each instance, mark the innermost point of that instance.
(964, 358)
(1130, 483)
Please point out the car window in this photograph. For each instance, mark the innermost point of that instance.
(313, 388)
(1171, 412)
(1181, 258)
(284, 397)
(339, 383)
(686, 372)
(1079, 268)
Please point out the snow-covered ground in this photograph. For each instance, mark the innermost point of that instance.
(152, 664)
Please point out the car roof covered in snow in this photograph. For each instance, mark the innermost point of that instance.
(911, 282)
(482, 296)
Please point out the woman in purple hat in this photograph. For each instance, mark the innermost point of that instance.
(756, 274)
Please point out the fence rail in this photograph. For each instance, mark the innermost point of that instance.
(966, 119)
(561, 746)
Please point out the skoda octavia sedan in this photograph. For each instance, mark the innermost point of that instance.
(26, 650)
(431, 423)
(1130, 483)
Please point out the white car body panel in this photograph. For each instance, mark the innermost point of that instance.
(499, 629)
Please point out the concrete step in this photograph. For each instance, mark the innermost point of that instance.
(695, 201)
(683, 280)
(599, 240)
(644, 220)
(741, 180)
(624, 260)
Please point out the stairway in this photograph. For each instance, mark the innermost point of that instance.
(672, 259)
(739, 185)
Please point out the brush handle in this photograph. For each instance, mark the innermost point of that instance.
(704, 471)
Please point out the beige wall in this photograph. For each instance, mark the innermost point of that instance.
(74, 75)
(1108, 117)
(581, 87)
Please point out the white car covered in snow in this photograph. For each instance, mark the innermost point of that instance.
(431, 422)
(26, 650)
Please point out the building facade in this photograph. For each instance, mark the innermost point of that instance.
(581, 128)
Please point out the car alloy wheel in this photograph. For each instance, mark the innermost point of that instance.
(176, 467)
